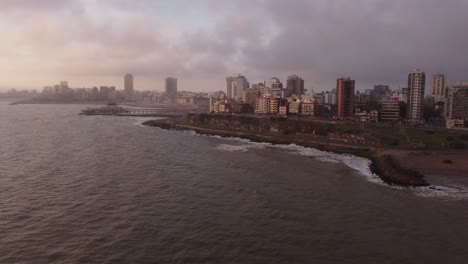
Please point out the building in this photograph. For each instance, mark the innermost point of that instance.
(307, 108)
(390, 111)
(438, 91)
(295, 86)
(416, 86)
(345, 97)
(403, 95)
(273, 105)
(456, 107)
(128, 86)
(250, 95)
(330, 97)
(274, 83)
(283, 110)
(262, 105)
(236, 87)
(320, 98)
(380, 93)
(171, 87)
(294, 107)
(229, 81)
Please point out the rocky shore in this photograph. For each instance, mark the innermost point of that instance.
(385, 165)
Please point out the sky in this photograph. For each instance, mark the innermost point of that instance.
(201, 42)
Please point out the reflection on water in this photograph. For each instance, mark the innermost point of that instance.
(105, 190)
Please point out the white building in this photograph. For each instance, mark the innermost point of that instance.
(438, 89)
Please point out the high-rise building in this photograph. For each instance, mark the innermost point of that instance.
(345, 97)
(295, 85)
(274, 83)
(229, 84)
(250, 95)
(128, 86)
(380, 92)
(171, 87)
(236, 87)
(438, 91)
(456, 106)
(416, 86)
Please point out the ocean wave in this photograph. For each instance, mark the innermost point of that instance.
(359, 164)
(455, 193)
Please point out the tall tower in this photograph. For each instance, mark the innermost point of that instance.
(345, 97)
(295, 85)
(416, 86)
(438, 87)
(229, 85)
(128, 86)
(171, 87)
(236, 86)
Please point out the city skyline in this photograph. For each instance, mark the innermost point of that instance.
(91, 42)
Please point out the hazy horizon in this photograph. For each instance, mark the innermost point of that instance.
(92, 43)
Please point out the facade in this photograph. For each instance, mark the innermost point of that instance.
(345, 97)
(416, 86)
(380, 92)
(273, 106)
(295, 86)
(320, 98)
(171, 86)
(283, 110)
(438, 91)
(456, 107)
(307, 108)
(229, 82)
(236, 87)
(262, 105)
(294, 108)
(404, 95)
(128, 86)
(390, 111)
(330, 97)
(274, 83)
(250, 95)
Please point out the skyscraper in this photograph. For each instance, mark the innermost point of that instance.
(128, 86)
(295, 85)
(345, 97)
(171, 87)
(273, 83)
(236, 87)
(416, 86)
(229, 83)
(438, 87)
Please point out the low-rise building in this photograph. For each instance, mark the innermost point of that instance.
(307, 108)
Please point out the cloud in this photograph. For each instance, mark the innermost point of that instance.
(373, 41)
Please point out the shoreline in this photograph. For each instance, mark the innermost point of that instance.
(384, 164)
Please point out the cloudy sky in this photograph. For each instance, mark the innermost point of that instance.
(95, 42)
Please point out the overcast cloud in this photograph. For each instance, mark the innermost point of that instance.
(91, 42)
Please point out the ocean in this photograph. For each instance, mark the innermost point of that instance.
(104, 189)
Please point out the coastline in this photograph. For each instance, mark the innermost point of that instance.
(386, 165)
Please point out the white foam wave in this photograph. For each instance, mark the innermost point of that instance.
(443, 192)
(232, 148)
(361, 165)
(242, 148)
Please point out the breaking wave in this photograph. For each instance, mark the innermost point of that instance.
(359, 164)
